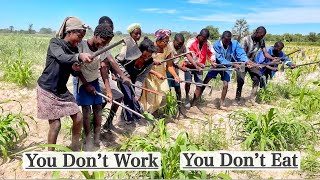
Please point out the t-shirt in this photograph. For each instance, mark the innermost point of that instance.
(175, 52)
(252, 47)
(91, 71)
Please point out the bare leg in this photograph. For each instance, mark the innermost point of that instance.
(196, 96)
(178, 93)
(199, 90)
(253, 93)
(256, 81)
(255, 76)
(187, 89)
(223, 94)
(76, 130)
(113, 111)
(97, 111)
(86, 110)
(55, 126)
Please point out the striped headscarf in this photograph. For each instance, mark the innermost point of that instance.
(162, 33)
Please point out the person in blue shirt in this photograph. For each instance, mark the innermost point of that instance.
(269, 71)
(227, 51)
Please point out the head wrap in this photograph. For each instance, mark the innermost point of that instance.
(70, 23)
(162, 33)
(132, 27)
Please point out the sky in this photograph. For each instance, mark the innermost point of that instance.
(278, 16)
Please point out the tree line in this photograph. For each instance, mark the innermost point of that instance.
(239, 30)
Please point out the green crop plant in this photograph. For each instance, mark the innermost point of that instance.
(171, 107)
(13, 128)
(266, 95)
(311, 163)
(271, 131)
(19, 70)
(210, 138)
(158, 140)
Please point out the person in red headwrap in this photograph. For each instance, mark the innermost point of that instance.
(156, 78)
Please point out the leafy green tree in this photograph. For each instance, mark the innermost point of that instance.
(287, 37)
(30, 30)
(298, 38)
(312, 37)
(187, 35)
(118, 33)
(240, 28)
(45, 31)
(11, 28)
(214, 33)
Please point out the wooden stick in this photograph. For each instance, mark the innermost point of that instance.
(122, 105)
(198, 84)
(100, 51)
(306, 64)
(149, 90)
(170, 59)
(143, 88)
(216, 69)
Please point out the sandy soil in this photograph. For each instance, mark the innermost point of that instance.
(38, 130)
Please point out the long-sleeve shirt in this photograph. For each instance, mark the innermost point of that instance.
(261, 59)
(136, 75)
(200, 55)
(234, 52)
(60, 58)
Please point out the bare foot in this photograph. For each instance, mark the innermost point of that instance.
(252, 102)
(97, 143)
(75, 147)
(237, 102)
(222, 105)
(96, 139)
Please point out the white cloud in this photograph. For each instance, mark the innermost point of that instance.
(160, 11)
(298, 15)
(306, 2)
(216, 17)
(210, 2)
(150, 9)
(199, 1)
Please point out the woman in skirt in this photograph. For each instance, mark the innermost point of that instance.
(53, 98)
(155, 80)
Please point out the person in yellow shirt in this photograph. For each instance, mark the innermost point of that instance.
(156, 78)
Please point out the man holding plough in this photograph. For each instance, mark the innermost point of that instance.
(201, 53)
(227, 51)
(251, 45)
(179, 48)
(270, 70)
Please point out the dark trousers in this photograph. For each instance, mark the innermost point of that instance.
(264, 78)
(129, 101)
(255, 76)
